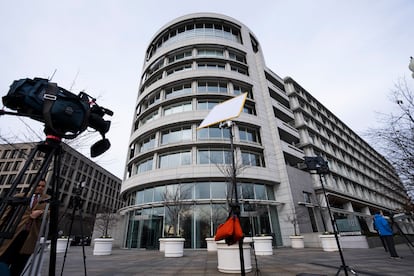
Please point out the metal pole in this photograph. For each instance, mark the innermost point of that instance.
(236, 206)
(344, 266)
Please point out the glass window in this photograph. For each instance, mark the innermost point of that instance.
(237, 56)
(206, 105)
(213, 156)
(203, 157)
(270, 193)
(260, 192)
(159, 193)
(217, 157)
(180, 56)
(140, 197)
(184, 67)
(218, 190)
(175, 159)
(218, 215)
(151, 117)
(249, 134)
(202, 220)
(213, 133)
(239, 69)
(147, 143)
(210, 52)
(307, 197)
(211, 87)
(144, 166)
(177, 108)
(148, 195)
(248, 191)
(210, 65)
(252, 159)
(249, 109)
(176, 135)
(186, 191)
(171, 192)
(183, 89)
(202, 190)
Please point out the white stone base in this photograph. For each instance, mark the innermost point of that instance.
(211, 244)
(228, 257)
(297, 241)
(263, 245)
(102, 246)
(174, 247)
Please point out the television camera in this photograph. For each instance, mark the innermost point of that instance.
(65, 114)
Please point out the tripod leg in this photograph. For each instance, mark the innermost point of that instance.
(83, 244)
(352, 271)
(13, 208)
(69, 234)
(346, 269)
(54, 209)
(35, 260)
(339, 271)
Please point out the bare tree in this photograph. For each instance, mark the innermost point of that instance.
(395, 138)
(105, 221)
(175, 206)
(230, 174)
(293, 218)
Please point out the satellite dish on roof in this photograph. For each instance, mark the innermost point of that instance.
(224, 111)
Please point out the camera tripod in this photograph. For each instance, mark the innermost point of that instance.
(35, 261)
(408, 242)
(317, 165)
(12, 208)
(343, 266)
(77, 206)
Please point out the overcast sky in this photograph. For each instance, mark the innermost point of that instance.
(347, 54)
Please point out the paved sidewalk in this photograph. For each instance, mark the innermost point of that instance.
(284, 261)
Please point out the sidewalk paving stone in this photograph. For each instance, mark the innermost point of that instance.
(284, 261)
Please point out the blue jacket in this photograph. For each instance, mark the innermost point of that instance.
(382, 225)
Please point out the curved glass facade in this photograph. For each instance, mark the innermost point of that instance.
(201, 207)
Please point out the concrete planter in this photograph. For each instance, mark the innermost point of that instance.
(228, 257)
(102, 246)
(328, 242)
(297, 241)
(263, 245)
(61, 244)
(174, 247)
(211, 244)
(162, 244)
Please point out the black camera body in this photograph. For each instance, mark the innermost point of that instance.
(65, 114)
(317, 164)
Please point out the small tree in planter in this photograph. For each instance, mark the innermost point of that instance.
(293, 219)
(175, 207)
(296, 239)
(104, 222)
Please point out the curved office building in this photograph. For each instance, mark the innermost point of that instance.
(192, 64)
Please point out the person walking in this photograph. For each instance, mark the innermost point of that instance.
(385, 231)
(16, 251)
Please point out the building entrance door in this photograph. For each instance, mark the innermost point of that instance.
(151, 231)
